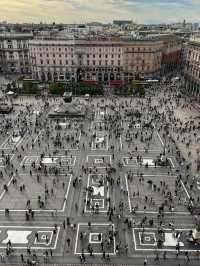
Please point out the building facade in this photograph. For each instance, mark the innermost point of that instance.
(81, 59)
(14, 53)
(192, 67)
(171, 53)
(142, 57)
(100, 59)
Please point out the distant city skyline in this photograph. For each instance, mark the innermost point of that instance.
(82, 11)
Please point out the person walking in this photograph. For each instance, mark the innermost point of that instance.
(145, 261)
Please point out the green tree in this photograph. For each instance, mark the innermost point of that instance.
(30, 87)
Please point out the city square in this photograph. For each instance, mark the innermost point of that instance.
(99, 133)
(104, 201)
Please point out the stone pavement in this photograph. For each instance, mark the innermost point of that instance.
(91, 187)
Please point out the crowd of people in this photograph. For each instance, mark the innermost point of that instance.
(134, 127)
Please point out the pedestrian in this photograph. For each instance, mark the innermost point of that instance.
(37, 236)
(68, 242)
(64, 225)
(22, 258)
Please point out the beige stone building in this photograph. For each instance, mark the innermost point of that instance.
(142, 57)
(192, 67)
(101, 59)
(14, 53)
(171, 53)
(76, 59)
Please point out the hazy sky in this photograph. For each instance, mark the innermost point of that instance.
(71, 11)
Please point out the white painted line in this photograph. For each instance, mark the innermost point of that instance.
(134, 238)
(56, 240)
(88, 182)
(76, 240)
(66, 194)
(129, 201)
(5, 141)
(38, 136)
(166, 175)
(1, 158)
(160, 139)
(120, 140)
(165, 212)
(21, 140)
(23, 162)
(23, 226)
(79, 138)
(171, 162)
(5, 144)
(3, 192)
(186, 191)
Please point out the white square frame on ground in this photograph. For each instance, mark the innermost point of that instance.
(144, 244)
(50, 229)
(65, 199)
(157, 249)
(36, 159)
(96, 156)
(102, 208)
(94, 122)
(1, 159)
(77, 149)
(126, 159)
(92, 241)
(93, 224)
(4, 145)
(100, 149)
(154, 212)
(121, 140)
(42, 243)
(98, 116)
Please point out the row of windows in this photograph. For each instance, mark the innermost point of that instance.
(89, 69)
(42, 62)
(20, 54)
(195, 72)
(94, 49)
(100, 56)
(194, 56)
(88, 56)
(53, 49)
(10, 46)
(56, 63)
(139, 49)
(142, 55)
(140, 68)
(60, 55)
